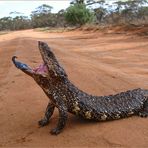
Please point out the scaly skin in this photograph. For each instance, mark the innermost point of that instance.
(68, 98)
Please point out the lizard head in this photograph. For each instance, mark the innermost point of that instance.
(55, 71)
(50, 70)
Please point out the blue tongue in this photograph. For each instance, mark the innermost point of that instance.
(20, 65)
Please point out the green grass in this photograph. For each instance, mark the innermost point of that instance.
(54, 30)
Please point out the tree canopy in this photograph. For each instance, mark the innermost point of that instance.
(80, 12)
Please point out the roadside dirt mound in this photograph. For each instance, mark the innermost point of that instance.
(132, 29)
(100, 64)
(120, 29)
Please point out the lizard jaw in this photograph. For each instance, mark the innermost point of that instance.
(41, 69)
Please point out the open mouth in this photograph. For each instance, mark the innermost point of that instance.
(41, 69)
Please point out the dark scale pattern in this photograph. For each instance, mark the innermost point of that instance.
(68, 98)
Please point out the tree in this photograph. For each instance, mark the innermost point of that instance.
(78, 14)
(43, 9)
(100, 10)
(61, 18)
(21, 22)
(91, 2)
(129, 9)
(5, 23)
(143, 12)
(42, 16)
(16, 23)
(100, 13)
(77, 2)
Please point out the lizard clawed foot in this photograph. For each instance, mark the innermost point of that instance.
(55, 131)
(43, 122)
(143, 114)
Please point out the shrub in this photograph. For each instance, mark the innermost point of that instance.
(78, 14)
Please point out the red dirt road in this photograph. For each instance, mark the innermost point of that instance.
(100, 64)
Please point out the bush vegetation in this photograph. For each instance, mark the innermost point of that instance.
(80, 12)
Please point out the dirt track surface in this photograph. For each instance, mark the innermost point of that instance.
(96, 63)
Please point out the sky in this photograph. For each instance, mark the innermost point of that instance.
(27, 6)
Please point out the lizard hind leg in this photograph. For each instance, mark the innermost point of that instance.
(144, 111)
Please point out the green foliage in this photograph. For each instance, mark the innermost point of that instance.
(78, 14)
(131, 10)
(17, 23)
(77, 2)
(43, 9)
(100, 13)
(42, 16)
(120, 12)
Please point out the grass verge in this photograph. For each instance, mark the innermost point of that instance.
(55, 30)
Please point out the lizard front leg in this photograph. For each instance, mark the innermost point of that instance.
(62, 119)
(48, 114)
